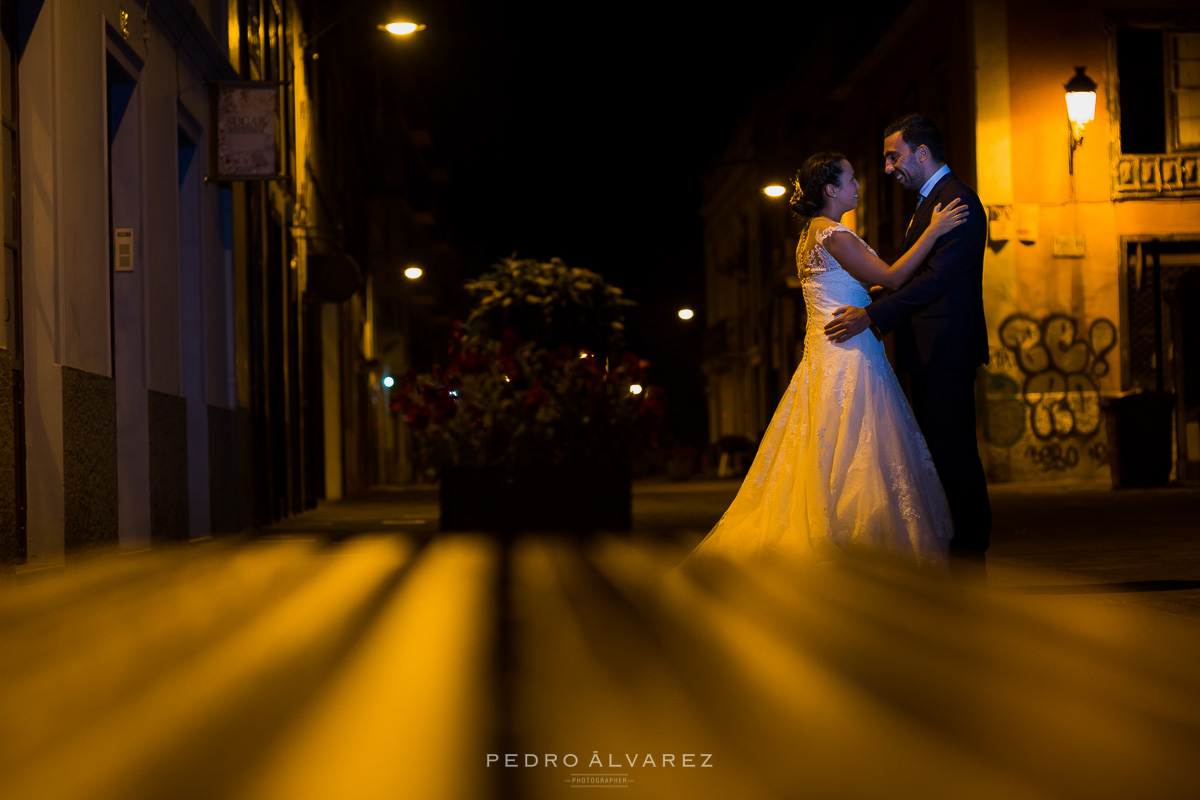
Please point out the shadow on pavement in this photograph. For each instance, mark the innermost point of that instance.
(1106, 588)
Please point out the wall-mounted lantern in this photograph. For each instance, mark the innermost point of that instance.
(1081, 109)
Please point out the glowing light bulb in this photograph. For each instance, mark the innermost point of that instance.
(1081, 107)
(402, 28)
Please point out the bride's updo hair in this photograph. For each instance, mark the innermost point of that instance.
(814, 174)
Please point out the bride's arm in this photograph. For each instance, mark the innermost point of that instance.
(856, 259)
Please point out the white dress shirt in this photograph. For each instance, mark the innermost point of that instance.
(929, 184)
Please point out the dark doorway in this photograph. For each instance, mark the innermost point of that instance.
(1162, 312)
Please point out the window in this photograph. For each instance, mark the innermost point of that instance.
(1156, 64)
(1185, 89)
(1139, 70)
(1158, 70)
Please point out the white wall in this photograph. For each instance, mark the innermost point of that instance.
(67, 318)
(41, 234)
(193, 251)
(130, 329)
(82, 188)
(160, 178)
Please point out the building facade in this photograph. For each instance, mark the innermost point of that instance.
(1092, 263)
(183, 340)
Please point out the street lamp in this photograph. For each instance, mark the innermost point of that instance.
(686, 313)
(774, 190)
(1081, 109)
(394, 28)
(412, 273)
(401, 28)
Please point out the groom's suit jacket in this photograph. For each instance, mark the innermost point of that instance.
(937, 314)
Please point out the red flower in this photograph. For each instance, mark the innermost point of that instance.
(536, 395)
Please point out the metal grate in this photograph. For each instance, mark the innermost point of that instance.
(1152, 308)
(1144, 302)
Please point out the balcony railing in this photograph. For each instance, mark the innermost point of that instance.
(1143, 176)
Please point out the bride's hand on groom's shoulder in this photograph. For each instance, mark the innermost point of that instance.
(946, 218)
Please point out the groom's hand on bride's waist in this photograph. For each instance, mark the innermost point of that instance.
(847, 322)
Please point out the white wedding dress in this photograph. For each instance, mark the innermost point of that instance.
(843, 464)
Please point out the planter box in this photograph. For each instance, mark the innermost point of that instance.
(585, 498)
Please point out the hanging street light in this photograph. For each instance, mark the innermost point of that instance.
(1081, 109)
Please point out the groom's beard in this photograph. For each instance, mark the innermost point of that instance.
(909, 183)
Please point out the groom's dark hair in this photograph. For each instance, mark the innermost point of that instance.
(917, 130)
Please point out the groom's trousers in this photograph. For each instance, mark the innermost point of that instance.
(944, 404)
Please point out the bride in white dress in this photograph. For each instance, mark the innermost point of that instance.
(843, 464)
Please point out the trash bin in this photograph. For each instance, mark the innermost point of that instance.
(1139, 438)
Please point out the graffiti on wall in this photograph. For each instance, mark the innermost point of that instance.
(1004, 417)
(1001, 359)
(1060, 369)
(1053, 457)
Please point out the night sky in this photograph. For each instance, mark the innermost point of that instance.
(582, 132)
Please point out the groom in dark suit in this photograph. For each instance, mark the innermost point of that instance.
(941, 336)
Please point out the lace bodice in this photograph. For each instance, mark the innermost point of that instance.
(825, 284)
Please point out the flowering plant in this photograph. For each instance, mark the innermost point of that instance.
(535, 381)
(548, 303)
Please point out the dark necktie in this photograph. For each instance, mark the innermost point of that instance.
(920, 199)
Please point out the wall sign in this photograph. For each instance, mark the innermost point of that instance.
(246, 141)
(123, 249)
